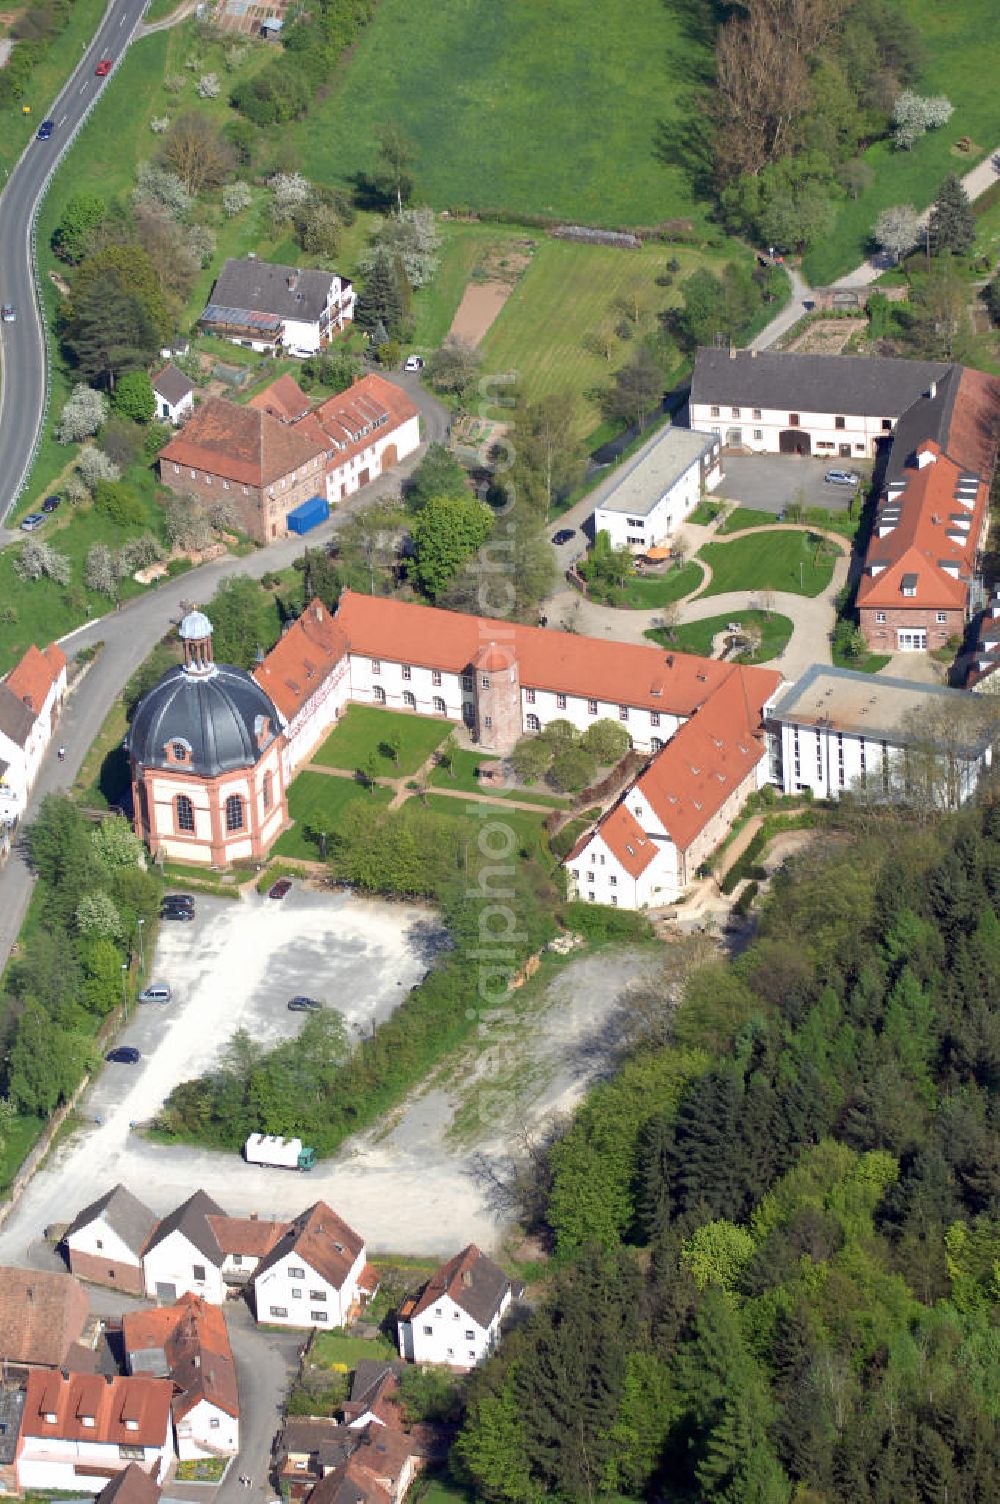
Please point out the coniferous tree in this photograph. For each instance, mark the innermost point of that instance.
(952, 225)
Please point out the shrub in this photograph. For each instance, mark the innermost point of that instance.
(36, 559)
(118, 504)
(598, 922)
(208, 86)
(134, 397)
(94, 466)
(235, 198)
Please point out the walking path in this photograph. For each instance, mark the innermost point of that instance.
(812, 617)
(402, 790)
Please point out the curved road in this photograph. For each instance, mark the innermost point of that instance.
(22, 344)
(130, 635)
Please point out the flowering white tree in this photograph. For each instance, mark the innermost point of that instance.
(290, 191)
(915, 114)
(99, 569)
(159, 189)
(235, 198)
(94, 465)
(37, 559)
(897, 229)
(208, 86)
(84, 413)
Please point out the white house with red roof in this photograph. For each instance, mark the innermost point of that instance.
(79, 1430)
(307, 675)
(31, 701)
(315, 1275)
(365, 430)
(456, 1317)
(645, 850)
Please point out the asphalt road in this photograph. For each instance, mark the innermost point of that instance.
(130, 635)
(22, 344)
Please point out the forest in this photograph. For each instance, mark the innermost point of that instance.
(774, 1233)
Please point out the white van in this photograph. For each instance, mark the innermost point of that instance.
(156, 992)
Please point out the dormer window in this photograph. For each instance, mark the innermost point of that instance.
(50, 1417)
(131, 1425)
(180, 751)
(87, 1420)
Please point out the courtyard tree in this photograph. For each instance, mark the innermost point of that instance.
(438, 474)
(445, 533)
(608, 740)
(531, 759)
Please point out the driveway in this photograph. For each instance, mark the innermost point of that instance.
(771, 482)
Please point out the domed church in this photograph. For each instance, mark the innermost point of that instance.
(206, 748)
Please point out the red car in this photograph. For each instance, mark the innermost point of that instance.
(280, 888)
(103, 68)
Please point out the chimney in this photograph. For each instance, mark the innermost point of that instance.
(318, 612)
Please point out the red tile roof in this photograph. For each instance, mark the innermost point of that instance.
(239, 444)
(371, 404)
(298, 664)
(252, 1236)
(474, 1282)
(624, 838)
(41, 1316)
(919, 544)
(320, 1239)
(615, 672)
(283, 399)
(34, 676)
(194, 1338)
(126, 1412)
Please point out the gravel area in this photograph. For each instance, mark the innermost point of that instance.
(771, 482)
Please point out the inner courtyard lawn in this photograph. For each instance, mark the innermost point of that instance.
(363, 730)
(317, 800)
(492, 128)
(792, 560)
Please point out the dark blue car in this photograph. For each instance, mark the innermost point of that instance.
(45, 129)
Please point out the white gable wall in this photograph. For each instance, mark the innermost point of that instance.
(444, 1333)
(178, 1263)
(291, 1293)
(205, 1431)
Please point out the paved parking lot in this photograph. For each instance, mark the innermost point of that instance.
(236, 967)
(770, 482)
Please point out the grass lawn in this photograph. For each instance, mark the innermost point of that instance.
(646, 592)
(527, 827)
(19, 1136)
(464, 247)
(330, 1348)
(870, 663)
(441, 1491)
(462, 82)
(316, 799)
(696, 636)
(769, 561)
(362, 730)
(104, 775)
(744, 517)
(962, 47)
(466, 782)
(566, 299)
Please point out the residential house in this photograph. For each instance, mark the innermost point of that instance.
(982, 674)
(307, 675)
(183, 1253)
(284, 399)
(174, 393)
(922, 574)
(247, 460)
(314, 1275)
(365, 432)
(308, 1448)
(244, 1241)
(374, 1397)
(131, 1486)
(188, 1344)
(379, 1471)
(106, 1240)
(836, 731)
(43, 1318)
(650, 844)
(79, 1430)
(31, 701)
(659, 489)
(273, 308)
(456, 1318)
(839, 406)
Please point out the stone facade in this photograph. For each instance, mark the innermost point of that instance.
(261, 512)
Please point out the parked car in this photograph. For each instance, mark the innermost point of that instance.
(103, 68)
(181, 900)
(303, 1005)
(8, 313)
(842, 478)
(125, 1054)
(173, 911)
(563, 535)
(45, 130)
(413, 363)
(280, 888)
(156, 992)
(32, 522)
(51, 503)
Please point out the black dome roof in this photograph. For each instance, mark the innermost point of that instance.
(218, 716)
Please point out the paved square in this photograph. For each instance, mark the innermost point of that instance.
(771, 482)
